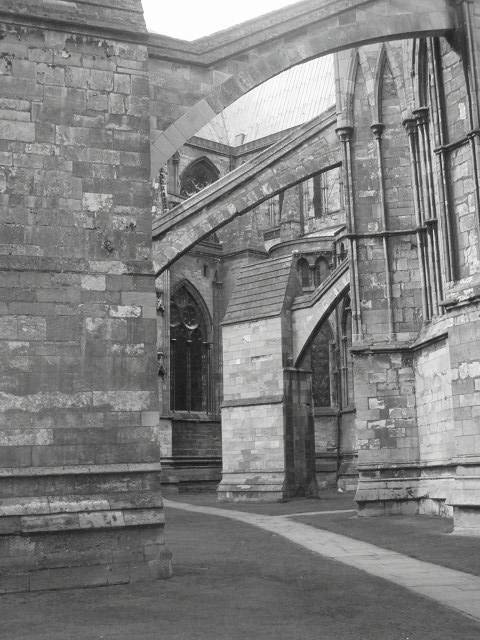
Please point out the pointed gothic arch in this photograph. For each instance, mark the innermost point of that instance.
(303, 271)
(346, 361)
(381, 66)
(422, 74)
(321, 271)
(350, 86)
(198, 175)
(321, 365)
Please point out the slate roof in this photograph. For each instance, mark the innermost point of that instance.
(287, 100)
(260, 290)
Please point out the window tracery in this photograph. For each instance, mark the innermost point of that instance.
(198, 175)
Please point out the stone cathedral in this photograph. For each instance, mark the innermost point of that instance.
(197, 295)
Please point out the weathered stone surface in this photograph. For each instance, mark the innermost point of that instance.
(77, 315)
(80, 434)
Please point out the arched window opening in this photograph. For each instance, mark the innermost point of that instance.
(199, 174)
(423, 79)
(321, 271)
(275, 205)
(320, 354)
(346, 356)
(323, 193)
(189, 354)
(303, 271)
(342, 253)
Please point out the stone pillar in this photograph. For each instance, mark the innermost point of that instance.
(384, 376)
(80, 500)
(267, 419)
(464, 336)
(464, 347)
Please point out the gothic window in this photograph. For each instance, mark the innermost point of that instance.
(318, 196)
(321, 271)
(199, 174)
(322, 194)
(189, 353)
(307, 192)
(303, 271)
(346, 357)
(342, 253)
(275, 205)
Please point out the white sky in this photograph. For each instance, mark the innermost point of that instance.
(191, 19)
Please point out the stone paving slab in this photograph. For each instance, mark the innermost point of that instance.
(455, 589)
(423, 537)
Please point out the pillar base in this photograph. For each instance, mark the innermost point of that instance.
(405, 491)
(251, 487)
(81, 530)
(466, 500)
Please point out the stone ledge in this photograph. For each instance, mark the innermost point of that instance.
(51, 505)
(82, 520)
(251, 402)
(79, 470)
(260, 486)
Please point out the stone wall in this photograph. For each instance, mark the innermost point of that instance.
(79, 454)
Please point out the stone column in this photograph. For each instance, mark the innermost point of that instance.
(384, 377)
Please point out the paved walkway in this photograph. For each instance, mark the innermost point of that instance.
(455, 589)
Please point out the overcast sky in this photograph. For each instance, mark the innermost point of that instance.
(191, 19)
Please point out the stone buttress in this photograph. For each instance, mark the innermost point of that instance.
(267, 419)
(80, 500)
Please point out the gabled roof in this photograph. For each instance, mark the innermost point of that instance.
(260, 291)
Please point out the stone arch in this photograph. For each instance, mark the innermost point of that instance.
(350, 87)
(313, 147)
(321, 271)
(423, 98)
(396, 57)
(308, 317)
(303, 272)
(341, 28)
(382, 62)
